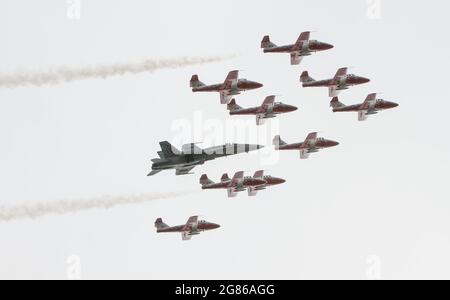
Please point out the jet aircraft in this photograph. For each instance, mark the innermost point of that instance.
(370, 106)
(231, 87)
(191, 156)
(269, 109)
(194, 226)
(341, 81)
(303, 47)
(312, 144)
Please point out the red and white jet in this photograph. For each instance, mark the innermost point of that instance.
(303, 47)
(269, 109)
(270, 181)
(371, 106)
(312, 144)
(341, 81)
(239, 183)
(191, 228)
(231, 87)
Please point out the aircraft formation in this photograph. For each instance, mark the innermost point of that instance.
(170, 158)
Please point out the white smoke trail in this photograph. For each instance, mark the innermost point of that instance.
(66, 74)
(34, 211)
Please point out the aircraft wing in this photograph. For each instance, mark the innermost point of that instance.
(184, 170)
(185, 236)
(368, 106)
(238, 178)
(192, 220)
(154, 172)
(302, 38)
(260, 119)
(311, 138)
(337, 80)
(232, 193)
(370, 100)
(268, 103)
(232, 77)
(333, 91)
(304, 153)
(362, 115)
(341, 72)
(296, 58)
(252, 192)
(225, 97)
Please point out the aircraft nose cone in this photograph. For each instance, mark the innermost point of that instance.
(279, 181)
(325, 46)
(257, 85)
(393, 105)
(291, 108)
(334, 143)
(215, 226)
(363, 80)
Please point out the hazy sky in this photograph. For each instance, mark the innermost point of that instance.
(377, 204)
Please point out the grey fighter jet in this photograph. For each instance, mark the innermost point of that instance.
(191, 156)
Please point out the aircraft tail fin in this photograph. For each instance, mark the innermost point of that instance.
(204, 180)
(305, 78)
(225, 177)
(168, 150)
(277, 142)
(233, 105)
(195, 82)
(335, 103)
(266, 43)
(159, 224)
